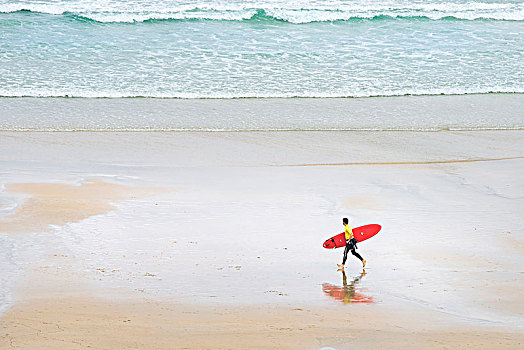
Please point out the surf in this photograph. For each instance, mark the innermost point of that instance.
(291, 15)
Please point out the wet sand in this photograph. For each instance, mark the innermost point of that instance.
(442, 112)
(57, 312)
(59, 204)
(98, 249)
(76, 323)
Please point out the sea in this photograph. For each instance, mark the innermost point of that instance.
(268, 49)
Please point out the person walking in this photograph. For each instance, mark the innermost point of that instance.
(350, 244)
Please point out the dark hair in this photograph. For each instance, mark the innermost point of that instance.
(345, 220)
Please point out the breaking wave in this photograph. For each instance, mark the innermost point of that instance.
(438, 11)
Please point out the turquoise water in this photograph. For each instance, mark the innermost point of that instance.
(228, 49)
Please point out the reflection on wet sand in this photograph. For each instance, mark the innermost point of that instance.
(348, 292)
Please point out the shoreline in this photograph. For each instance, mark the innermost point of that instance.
(273, 97)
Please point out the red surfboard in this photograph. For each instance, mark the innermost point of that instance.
(360, 233)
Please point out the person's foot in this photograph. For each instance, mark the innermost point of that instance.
(364, 263)
(340, 265)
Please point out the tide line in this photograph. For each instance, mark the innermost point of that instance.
(405, 162)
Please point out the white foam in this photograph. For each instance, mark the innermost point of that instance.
(86, 93)
(294, 11)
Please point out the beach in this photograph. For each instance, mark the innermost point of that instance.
(173, 239)
(170, 171)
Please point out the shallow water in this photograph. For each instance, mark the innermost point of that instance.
(231, 49)
(414, 113)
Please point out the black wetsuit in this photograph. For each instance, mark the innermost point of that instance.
(350, 245)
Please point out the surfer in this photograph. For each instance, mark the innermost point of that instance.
(350, 244)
